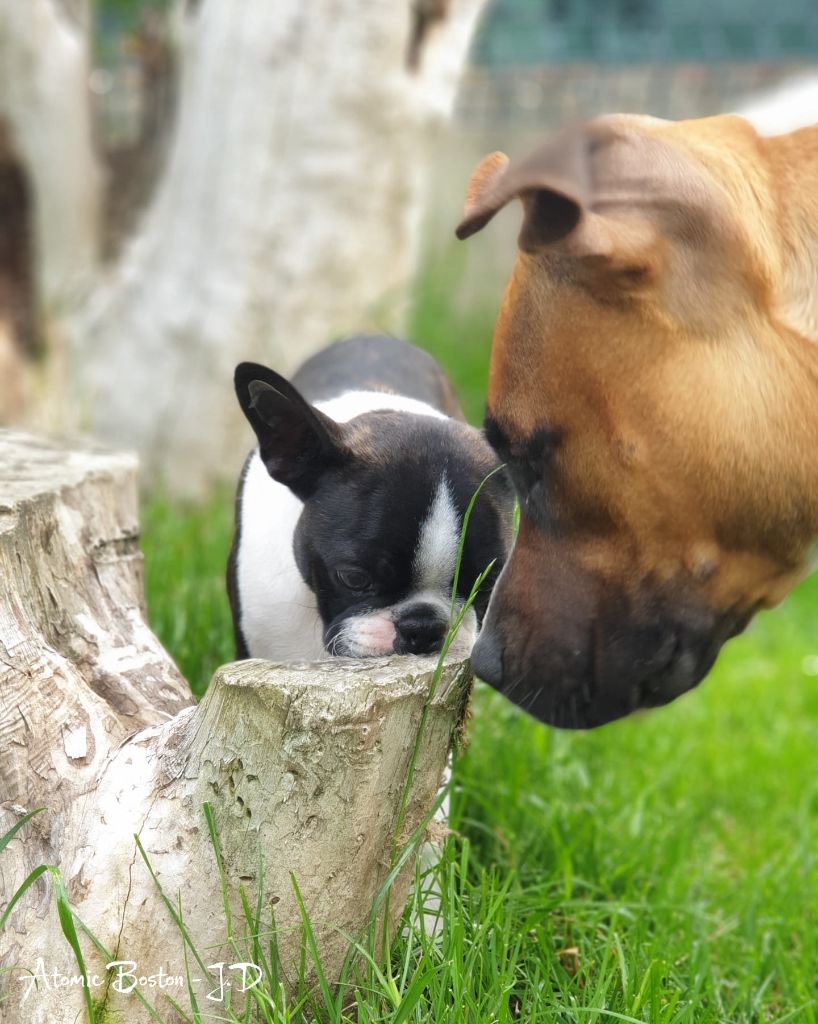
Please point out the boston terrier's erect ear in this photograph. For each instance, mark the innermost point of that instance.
(297, 443)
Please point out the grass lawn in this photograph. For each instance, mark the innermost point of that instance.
(661, 869)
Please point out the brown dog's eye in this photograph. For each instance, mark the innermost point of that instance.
(636, 274)
(354, 579)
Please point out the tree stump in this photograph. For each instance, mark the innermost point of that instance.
(304, 766)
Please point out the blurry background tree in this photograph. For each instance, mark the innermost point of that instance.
(286, 210)
(49, 179)
(184, 183)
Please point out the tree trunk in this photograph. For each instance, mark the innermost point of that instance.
(304, 766)
(45, 109)
(288, 214)
(49, 237)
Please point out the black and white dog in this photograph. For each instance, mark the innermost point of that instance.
(349, 511)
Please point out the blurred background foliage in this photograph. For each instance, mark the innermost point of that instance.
(533, 31)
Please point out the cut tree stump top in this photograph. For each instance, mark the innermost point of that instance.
(32, 465)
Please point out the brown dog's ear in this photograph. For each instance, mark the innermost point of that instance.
(483, 198)
(554, 185)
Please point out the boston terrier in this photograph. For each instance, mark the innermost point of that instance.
(349, 511)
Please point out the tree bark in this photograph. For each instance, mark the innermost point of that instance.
(288, 214)
(303, 766)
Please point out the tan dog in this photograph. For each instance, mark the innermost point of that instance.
(654, 391)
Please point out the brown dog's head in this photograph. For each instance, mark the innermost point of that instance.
(654, 392)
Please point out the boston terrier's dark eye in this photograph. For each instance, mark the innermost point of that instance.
(355, 579)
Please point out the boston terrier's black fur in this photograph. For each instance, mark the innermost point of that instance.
(349, 511)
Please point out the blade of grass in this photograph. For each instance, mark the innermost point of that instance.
(12, 832)
(185, 1017)
(462, 541)
(171, 909)
(197, 1016)
(410, 998)
(30, 879)
(313, 947)
(217, 850)
(66, 916)
(109, 956)
(453, 629)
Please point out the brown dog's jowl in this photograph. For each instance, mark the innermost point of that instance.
(654, 391)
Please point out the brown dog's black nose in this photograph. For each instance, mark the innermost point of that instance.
(487, 659)
(613, 664)
(576, 649)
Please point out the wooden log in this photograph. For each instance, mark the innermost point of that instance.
(303, 766)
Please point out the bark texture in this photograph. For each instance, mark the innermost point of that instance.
(304, 766)
(288, 214)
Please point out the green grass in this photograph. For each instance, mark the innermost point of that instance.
(663, 869)
(676, 851)
(462, 346)
(185, 561)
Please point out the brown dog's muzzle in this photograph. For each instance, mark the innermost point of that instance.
(580, 651)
